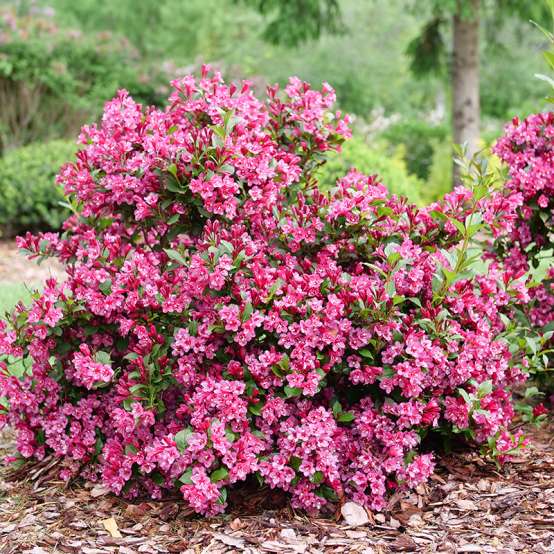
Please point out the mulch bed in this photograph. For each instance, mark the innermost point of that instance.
(469, 506)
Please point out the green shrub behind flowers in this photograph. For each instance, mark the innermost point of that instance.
(29, 196)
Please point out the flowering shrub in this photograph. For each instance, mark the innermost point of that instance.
(222, 318)
(527, 148)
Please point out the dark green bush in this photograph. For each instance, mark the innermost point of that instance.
(374, 159)
(29, 196)
(419, 140)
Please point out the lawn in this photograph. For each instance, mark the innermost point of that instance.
(10, 294)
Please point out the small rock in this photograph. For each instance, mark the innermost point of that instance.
(416, 521)
(354, 514)
(394, 523)
(99, 490)
(288, 534)
(380, 518)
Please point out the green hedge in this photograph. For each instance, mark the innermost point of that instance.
(29, 196)
(374, 159)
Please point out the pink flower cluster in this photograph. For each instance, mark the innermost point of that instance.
(222, 319)
(527, 149)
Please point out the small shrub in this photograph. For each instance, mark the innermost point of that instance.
(222, 318)
(52, 79)
(29, 196)
(374, 159)
(419, 140)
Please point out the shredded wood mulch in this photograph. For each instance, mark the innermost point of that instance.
(469, 506)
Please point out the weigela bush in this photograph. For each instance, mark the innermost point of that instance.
(527, 149)
(223, 320)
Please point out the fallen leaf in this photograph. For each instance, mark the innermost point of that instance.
(236, 524)
(136, 511)
(111, 527)
(169, 512)
(468, 505)
(354, 514)
(404, 543)
(99, 490)
(470, 548)
(229, 540)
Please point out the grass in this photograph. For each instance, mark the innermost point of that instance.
(10, 294)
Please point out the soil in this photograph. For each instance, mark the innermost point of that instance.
(16, 268)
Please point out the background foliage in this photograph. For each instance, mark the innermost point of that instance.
(60, 61)
(29, 199)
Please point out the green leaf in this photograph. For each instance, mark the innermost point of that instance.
(103, 357)
(327, 492)
(230, 436)
(484, 389)
(295, 462)
(274, 288)
(531, 391)
(219, 474)
(172, 169)
(186, 478)
(398, 299)
(222, 496)
(182, 439)
(366, 353)
(438, 214)
(247, 312)
(227, 168)
(464, 394)
(292, 391)
(176, 256)
(256, 409)
(158, 478)
(459, 225)
(106, 286)
(317, 477)
(546, 78)
(227, 247)
(346, 417)
(336, 407)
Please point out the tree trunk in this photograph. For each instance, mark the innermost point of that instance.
(465, 97)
